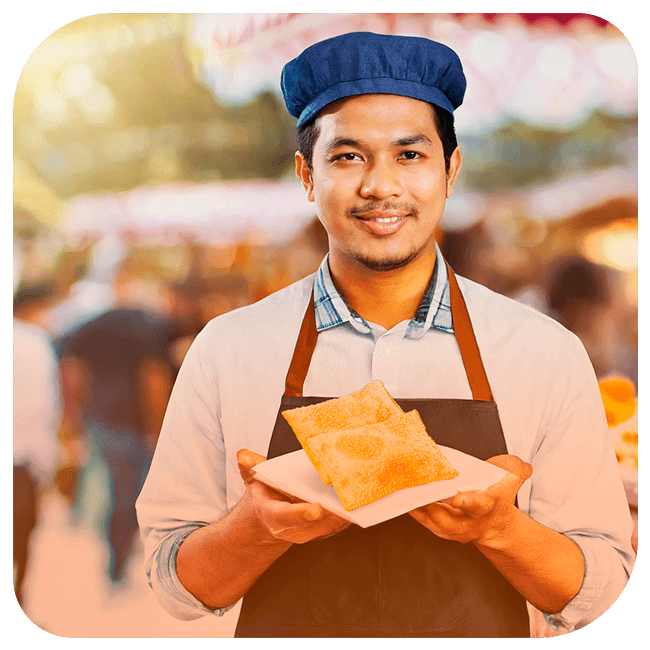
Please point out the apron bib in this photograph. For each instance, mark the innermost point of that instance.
(397, 578)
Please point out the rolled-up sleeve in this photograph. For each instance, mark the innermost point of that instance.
(577, 490)
(186, 484)
(166, 586)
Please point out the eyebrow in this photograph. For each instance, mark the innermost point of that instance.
(401, 142)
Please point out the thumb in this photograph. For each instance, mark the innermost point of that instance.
(246, 460)
(518, 471)
(513, 464)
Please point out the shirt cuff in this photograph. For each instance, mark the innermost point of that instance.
(581, 610)
(169, 591)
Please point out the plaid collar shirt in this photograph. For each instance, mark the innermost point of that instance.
(434, 310)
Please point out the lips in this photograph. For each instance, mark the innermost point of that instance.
(381, 217)
(382, 223)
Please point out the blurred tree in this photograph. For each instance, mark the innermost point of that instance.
(158, 123)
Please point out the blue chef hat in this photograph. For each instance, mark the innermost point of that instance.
(362, 62)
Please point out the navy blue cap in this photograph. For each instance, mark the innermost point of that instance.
(361, 63)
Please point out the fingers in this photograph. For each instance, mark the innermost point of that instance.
(473, 504)
(302, 522)
(246, 460)
(308, 512)
(301, 513)
(283, 516)
(474, 515)
(440, 519)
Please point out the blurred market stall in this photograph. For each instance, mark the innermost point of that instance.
(113, 102)
(212, 212)
(572, 64)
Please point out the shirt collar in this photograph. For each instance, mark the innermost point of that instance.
(434, 310)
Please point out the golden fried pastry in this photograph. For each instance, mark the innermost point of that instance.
(371, 461)
(366, 447)
(369, 405)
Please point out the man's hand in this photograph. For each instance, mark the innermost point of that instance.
(480, 517)
(284, 517)
(220, 562)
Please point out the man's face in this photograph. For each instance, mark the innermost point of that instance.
(379, 181)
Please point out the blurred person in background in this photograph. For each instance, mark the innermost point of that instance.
(467, 251)
(508, 270)
(195, 301)
(222, 294)
(36, 416)
(118, 371)
(33, 303)
(580, 295)
(184, 310)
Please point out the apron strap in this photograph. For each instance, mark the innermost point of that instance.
(302, 352)
(466, 340)
(463, 330)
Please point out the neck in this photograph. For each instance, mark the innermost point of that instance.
(383, 297)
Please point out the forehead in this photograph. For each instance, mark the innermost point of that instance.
(377, 115)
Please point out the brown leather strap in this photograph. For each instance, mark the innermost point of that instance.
(466, 339)
(463, 330)
(302, 352)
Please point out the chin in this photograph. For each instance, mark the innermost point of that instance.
(385, 263)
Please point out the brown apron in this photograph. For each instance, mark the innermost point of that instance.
(397, 578)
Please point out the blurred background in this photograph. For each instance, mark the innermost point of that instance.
(154, 189)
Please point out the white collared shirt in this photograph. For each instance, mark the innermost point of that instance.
(228, 392)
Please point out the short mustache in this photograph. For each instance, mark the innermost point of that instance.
(361, 209)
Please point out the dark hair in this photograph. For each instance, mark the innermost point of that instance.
(309, 132)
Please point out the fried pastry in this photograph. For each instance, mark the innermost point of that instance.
(371, 404)
(371, 461)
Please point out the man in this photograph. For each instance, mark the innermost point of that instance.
(117, 369)
(378, 158)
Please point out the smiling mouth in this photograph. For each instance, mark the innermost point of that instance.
(380, 217)
(383, 219)
(381, 224)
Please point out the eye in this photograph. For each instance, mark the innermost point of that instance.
(347, 157)
(410, 155)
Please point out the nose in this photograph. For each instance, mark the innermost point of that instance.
(381, 181)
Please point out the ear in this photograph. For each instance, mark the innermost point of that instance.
(455, 162)
(304, 175)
